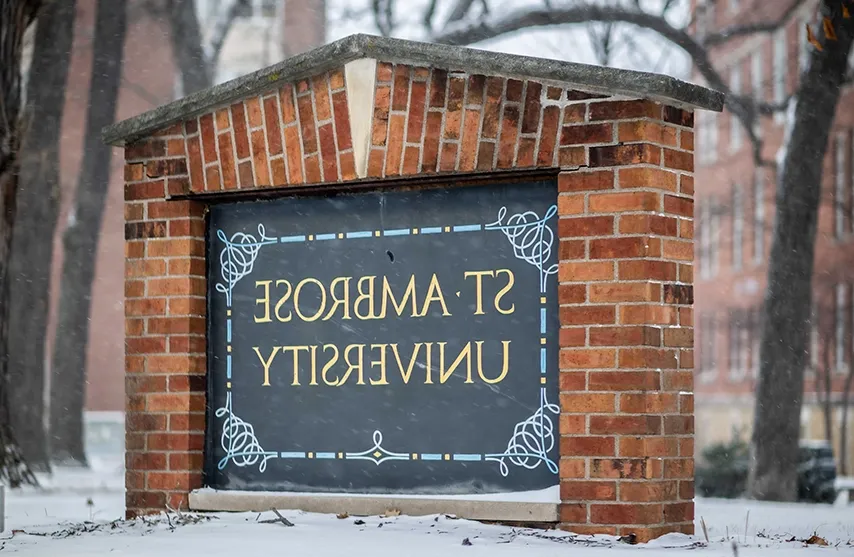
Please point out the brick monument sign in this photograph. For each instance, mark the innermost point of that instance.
(392, 274)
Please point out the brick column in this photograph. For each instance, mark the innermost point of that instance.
(626, 228)
(164, 327)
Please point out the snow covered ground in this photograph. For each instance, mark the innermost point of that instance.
(80, 522)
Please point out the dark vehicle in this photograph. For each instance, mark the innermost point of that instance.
(725, 469)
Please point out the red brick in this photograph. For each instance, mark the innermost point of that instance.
(625, 425)
(648, 403)
(468, 145)
(648, 358)
(312, 170)
(585, 271)
(624, 381)
(678, 294)
(174, 481)
(585, 181)
(572, 337)
(141, 500)
(625, 336)
(587, 315)
(587, 403)
(588, 491)
(147, 306)
(186, 461)
(454, 112)
(177, 185)
(622, 248)
(572, 468)
(348, 166)
(571, 424)
(686, 184)
(647, 177)
(642, 447)
(342, 120)
(686, 140)
(587, 133)
(644, 314)
(570, 204)
(328, 153)
(492, 107)
(176, 441)
(679, 512)
(259, 158)
(678, 116)
(574, 113)
(417, 105)
(625, 292)
(145, 190)
(176, 363)
(686, 403)
(586, 358)
(145, 461)
(197, 174)
(572, 294)
(686, 490)
(187, 422)
(208, 138)
(174, 403)
(548, 136)
(679, 337)
(623, 202)
(306, 119)
(654, 132)
(680, 160)
(400, 97)
(438, 85)
(572, 249)
(573, 512)
(575, 227)
(141, 384)
(647, 270)
(625, 468)
(678, 425)
(572, 381)
(678, 381)
(145, 345)
(626, 514)
(587, 446)
(648, 224)
(433, 132)
(509, 133)
(572, 157)
(624, 110)
(514, 90)
(681, 468)
(621, 155)
(145, 149)
(531, 117)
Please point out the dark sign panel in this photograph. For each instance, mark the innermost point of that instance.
(399, 342)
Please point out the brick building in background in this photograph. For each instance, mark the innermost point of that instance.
(735, 212)
(261, 34)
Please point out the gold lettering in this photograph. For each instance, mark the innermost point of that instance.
(412, 359)
(381, 363)
(296, 350)
(505, 365)
(313, 364)
(351, 366)
(265, 301)
(266, 363)
(478, 287)
(322, 299)
(369, 296)
(510, 281)
(429, 379)
(336, 301)
(283, 299)
(464, 353)
(434, 294)
(329, 364)
(398, 308)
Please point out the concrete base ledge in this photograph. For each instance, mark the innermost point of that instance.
(362, 505)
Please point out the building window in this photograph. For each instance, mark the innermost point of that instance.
(705, 18)
(756, 334)
(758, 216)
(780, 60)
(714, 232)
(708, 357)
(756, 74)
(734, 124)
(737, 226)
(737, 347)
(709, 227)
(841, 328)
(256, 8)
(734, 5)
(707, 137)
(839, 152)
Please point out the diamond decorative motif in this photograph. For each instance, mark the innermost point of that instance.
(377, 454)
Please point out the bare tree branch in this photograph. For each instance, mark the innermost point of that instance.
(222, 26)
(429, 13)
(461, 8)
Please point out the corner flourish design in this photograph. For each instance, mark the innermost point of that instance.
(239, 442)
(531, 237)
(532, 440)
(237, 258)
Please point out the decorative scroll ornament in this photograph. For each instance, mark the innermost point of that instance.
(531, 238)
(239, 442)
(377, 453)
(237, 258)
(532, 440)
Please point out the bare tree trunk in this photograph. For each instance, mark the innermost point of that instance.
(189, 52)
(780, 391)
(15, 17)
(81, 238)
(35, 223)
(843, 429)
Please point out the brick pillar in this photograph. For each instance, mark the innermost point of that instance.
(626, 293)
(164, 327)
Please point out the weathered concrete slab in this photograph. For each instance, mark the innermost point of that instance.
(243, 501)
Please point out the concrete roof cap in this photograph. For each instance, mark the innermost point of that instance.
(583, 77)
